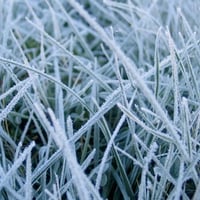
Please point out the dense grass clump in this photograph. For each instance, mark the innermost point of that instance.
(99, 99)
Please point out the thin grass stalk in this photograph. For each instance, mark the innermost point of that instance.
(142, 188)
(175, 77)
(186, 127)
(157, 65)
(106, 152)
(178, 190)
(28, 188)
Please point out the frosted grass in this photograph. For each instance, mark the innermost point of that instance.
(130, 68)
(14, 101)
(60, 139)
(99, 99)
(16, 165)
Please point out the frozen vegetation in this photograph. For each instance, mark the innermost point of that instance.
(99, 99)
